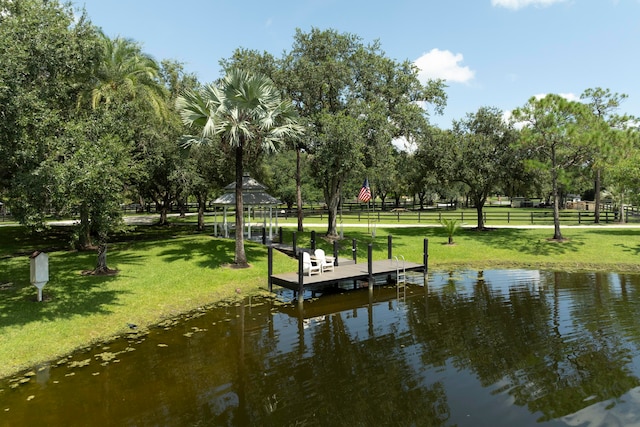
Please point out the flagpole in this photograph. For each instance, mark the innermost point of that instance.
(369, 203)
(365, 196)
(369, 216)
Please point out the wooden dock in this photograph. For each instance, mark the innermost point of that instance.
(344, 273)
(347, 274)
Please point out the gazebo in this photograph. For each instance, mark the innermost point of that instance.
(253, 196)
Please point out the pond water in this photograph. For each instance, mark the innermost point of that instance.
(492, 348)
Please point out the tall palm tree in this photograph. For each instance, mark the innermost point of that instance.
(123, 71)
(122, 74)
(244, 109)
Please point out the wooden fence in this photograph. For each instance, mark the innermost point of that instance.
(541, 217)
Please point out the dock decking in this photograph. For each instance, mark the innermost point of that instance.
(360, 274)
(343, 273)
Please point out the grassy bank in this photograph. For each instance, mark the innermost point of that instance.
(167, 271)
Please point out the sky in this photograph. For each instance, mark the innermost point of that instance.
(495, 53)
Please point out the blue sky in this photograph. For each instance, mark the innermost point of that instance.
(491, 52)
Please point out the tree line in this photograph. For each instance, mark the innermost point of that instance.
(91, 122)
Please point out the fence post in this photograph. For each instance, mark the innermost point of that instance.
(508, 217)
(531, 217)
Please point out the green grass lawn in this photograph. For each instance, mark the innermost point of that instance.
(166, 271)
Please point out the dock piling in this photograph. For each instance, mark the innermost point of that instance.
(370, 265)
(295, 242)
(300, 280)
(270, 266)
(354, 250)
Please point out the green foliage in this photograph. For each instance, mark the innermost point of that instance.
(338, 82)
(246, 111)
(124, 73)
(555, 135)
(46, 55)
(451, 226)
(281, 178)
(483, 155)
(81, 310)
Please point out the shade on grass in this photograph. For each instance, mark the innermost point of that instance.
(162, 275)
(157, 279)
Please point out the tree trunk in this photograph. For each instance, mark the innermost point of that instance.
(557, 235)
(383, 197)
(84, 235)
(597, 189)
(621, 218)
(101, 266)
(299, 189)
(201, 203)
(332, 214)
(164, 208)
(240, 257)
(479, 206)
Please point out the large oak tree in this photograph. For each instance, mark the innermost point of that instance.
(355, 101)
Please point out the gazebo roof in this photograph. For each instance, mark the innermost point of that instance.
(253, 194)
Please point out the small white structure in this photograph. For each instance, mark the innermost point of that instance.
(39, 271)
(253, 196)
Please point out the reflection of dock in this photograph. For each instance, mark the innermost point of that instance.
(345, 301)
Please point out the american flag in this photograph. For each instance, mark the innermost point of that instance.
(365, 192)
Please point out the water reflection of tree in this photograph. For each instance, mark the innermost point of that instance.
(339, 380)
(591, 364)
(626, 308)
(516, 340)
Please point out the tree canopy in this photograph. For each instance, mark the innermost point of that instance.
(554, 135)
(245, 109)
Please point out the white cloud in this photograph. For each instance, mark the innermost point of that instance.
(519, 4)
(443, 64)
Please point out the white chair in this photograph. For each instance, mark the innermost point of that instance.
(308, 266)
(325, 262)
